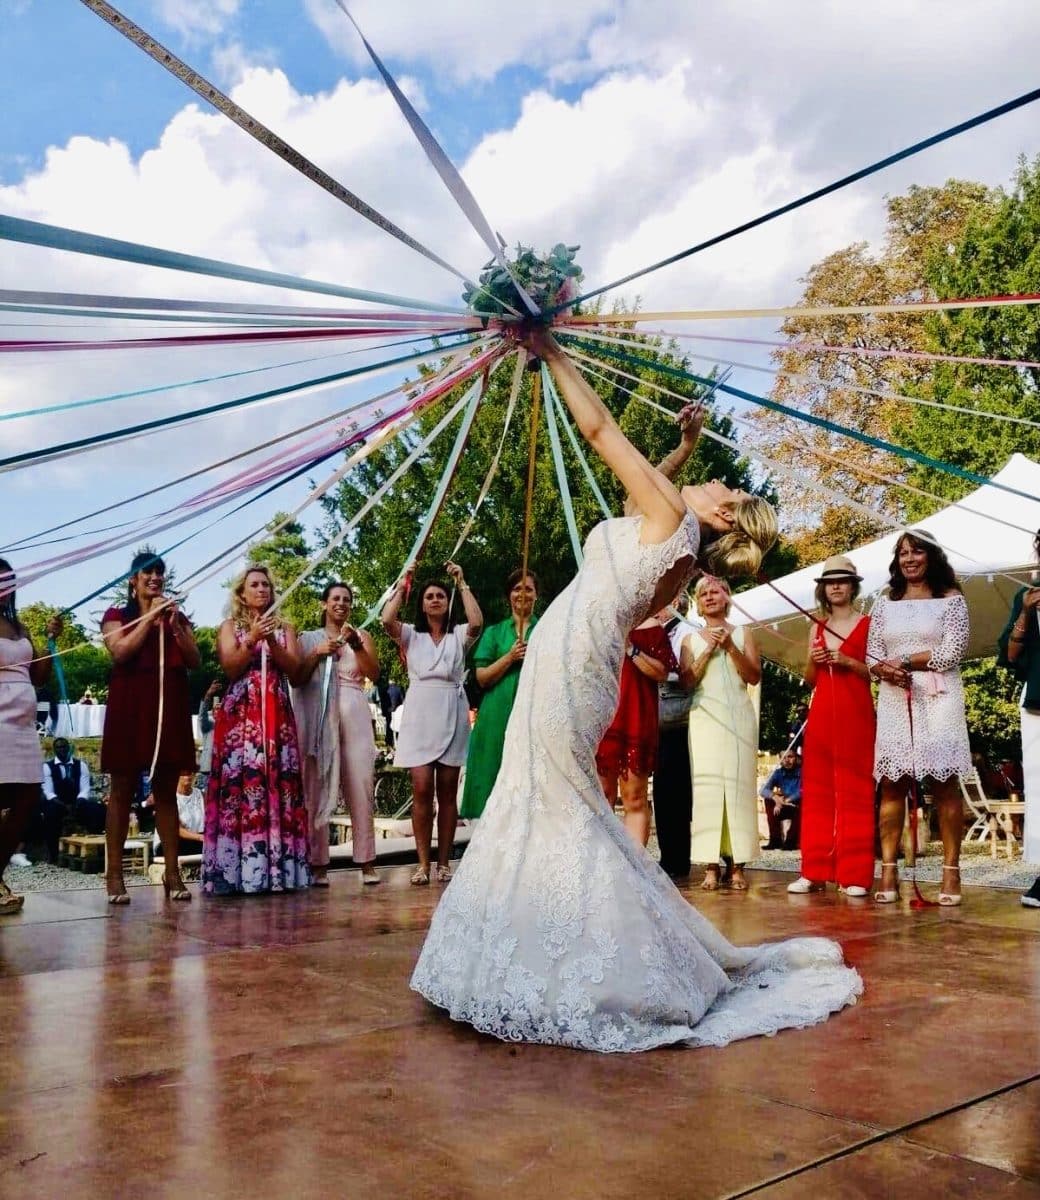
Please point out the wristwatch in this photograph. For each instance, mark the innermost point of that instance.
(904, 662)
(632, 651)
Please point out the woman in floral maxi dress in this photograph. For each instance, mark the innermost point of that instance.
(255, 835)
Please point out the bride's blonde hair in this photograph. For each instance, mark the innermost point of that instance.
(740, 551)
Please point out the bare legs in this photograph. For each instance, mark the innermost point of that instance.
(430, 781)
(633, 790)
(946, 794)
(18, 801)
(117, 824)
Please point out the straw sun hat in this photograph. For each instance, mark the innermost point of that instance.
(838, 567)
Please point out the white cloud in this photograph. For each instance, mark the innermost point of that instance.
(196, 18)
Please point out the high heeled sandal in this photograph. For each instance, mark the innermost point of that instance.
(120, 897)
(710, 882)
(443, 874)
(174, 890)
(419, 877)
(10, 902)
(887, 896)
(946, 899)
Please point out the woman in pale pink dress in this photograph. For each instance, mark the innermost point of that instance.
(21, 759)
(337, 748)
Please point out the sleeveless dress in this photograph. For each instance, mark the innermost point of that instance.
(485, 744)
(837, 836)
(255, 832)
(630, 744)
(724, 759)
(557, 927)
(132, 711)
(21, 759)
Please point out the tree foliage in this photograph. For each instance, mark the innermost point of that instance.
(286, 554)
(920, 224)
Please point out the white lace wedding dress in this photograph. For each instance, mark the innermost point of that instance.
(557, 927)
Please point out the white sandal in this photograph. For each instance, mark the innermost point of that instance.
(946, 899)
(419, 877)
(888, 896)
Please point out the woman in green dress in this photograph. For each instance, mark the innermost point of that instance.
(498, 658)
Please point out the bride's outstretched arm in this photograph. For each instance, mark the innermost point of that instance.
(654, 496)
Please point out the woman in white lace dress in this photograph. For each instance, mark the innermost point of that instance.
(558, 927)
(918, 636)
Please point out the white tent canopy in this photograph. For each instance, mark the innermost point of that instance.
(992, 558)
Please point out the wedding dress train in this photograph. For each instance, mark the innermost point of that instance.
(557, 927)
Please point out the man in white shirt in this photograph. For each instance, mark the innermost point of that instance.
(66, 790)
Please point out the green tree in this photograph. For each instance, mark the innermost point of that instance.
(85, 665)
(991, 708)
(921, 226)
(997, 253)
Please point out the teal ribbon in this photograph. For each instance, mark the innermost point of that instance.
(579, 451)
(476, 395)
(59, 674)
(867, 439)
(169, 387)
(56, 237)
(177, 418)
(557, 456)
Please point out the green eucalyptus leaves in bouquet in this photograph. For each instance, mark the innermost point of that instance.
(549, 279)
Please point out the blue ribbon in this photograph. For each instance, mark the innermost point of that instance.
(56, 237)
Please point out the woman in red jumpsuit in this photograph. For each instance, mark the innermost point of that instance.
(837, 838)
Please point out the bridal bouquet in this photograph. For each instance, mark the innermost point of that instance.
(549, 279)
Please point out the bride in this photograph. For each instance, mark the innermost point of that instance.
(557, 927)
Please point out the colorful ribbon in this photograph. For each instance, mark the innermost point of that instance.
(561, 473)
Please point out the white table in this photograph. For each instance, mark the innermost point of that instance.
(88, 720)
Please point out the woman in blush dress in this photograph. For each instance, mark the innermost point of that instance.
(718, 664)
(255, 835)
(918, 636)
(627, 756)
(497, 660)
(335, 727)
(837, 834)
(558, 927)
(435, 721)
(21, 759)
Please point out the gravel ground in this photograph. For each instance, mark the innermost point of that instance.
(978, 869)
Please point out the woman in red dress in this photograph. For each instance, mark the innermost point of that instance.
(627, 755)
(148, 719)
(837, 837)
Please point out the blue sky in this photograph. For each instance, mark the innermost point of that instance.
(632, 128)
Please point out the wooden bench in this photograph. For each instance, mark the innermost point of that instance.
(88, 852)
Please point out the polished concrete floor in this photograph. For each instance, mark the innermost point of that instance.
(270, 1047)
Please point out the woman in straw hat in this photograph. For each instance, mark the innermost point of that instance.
(837, 836)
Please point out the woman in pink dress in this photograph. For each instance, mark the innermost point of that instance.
(21, 759)
(335, 728)
(255, 835)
